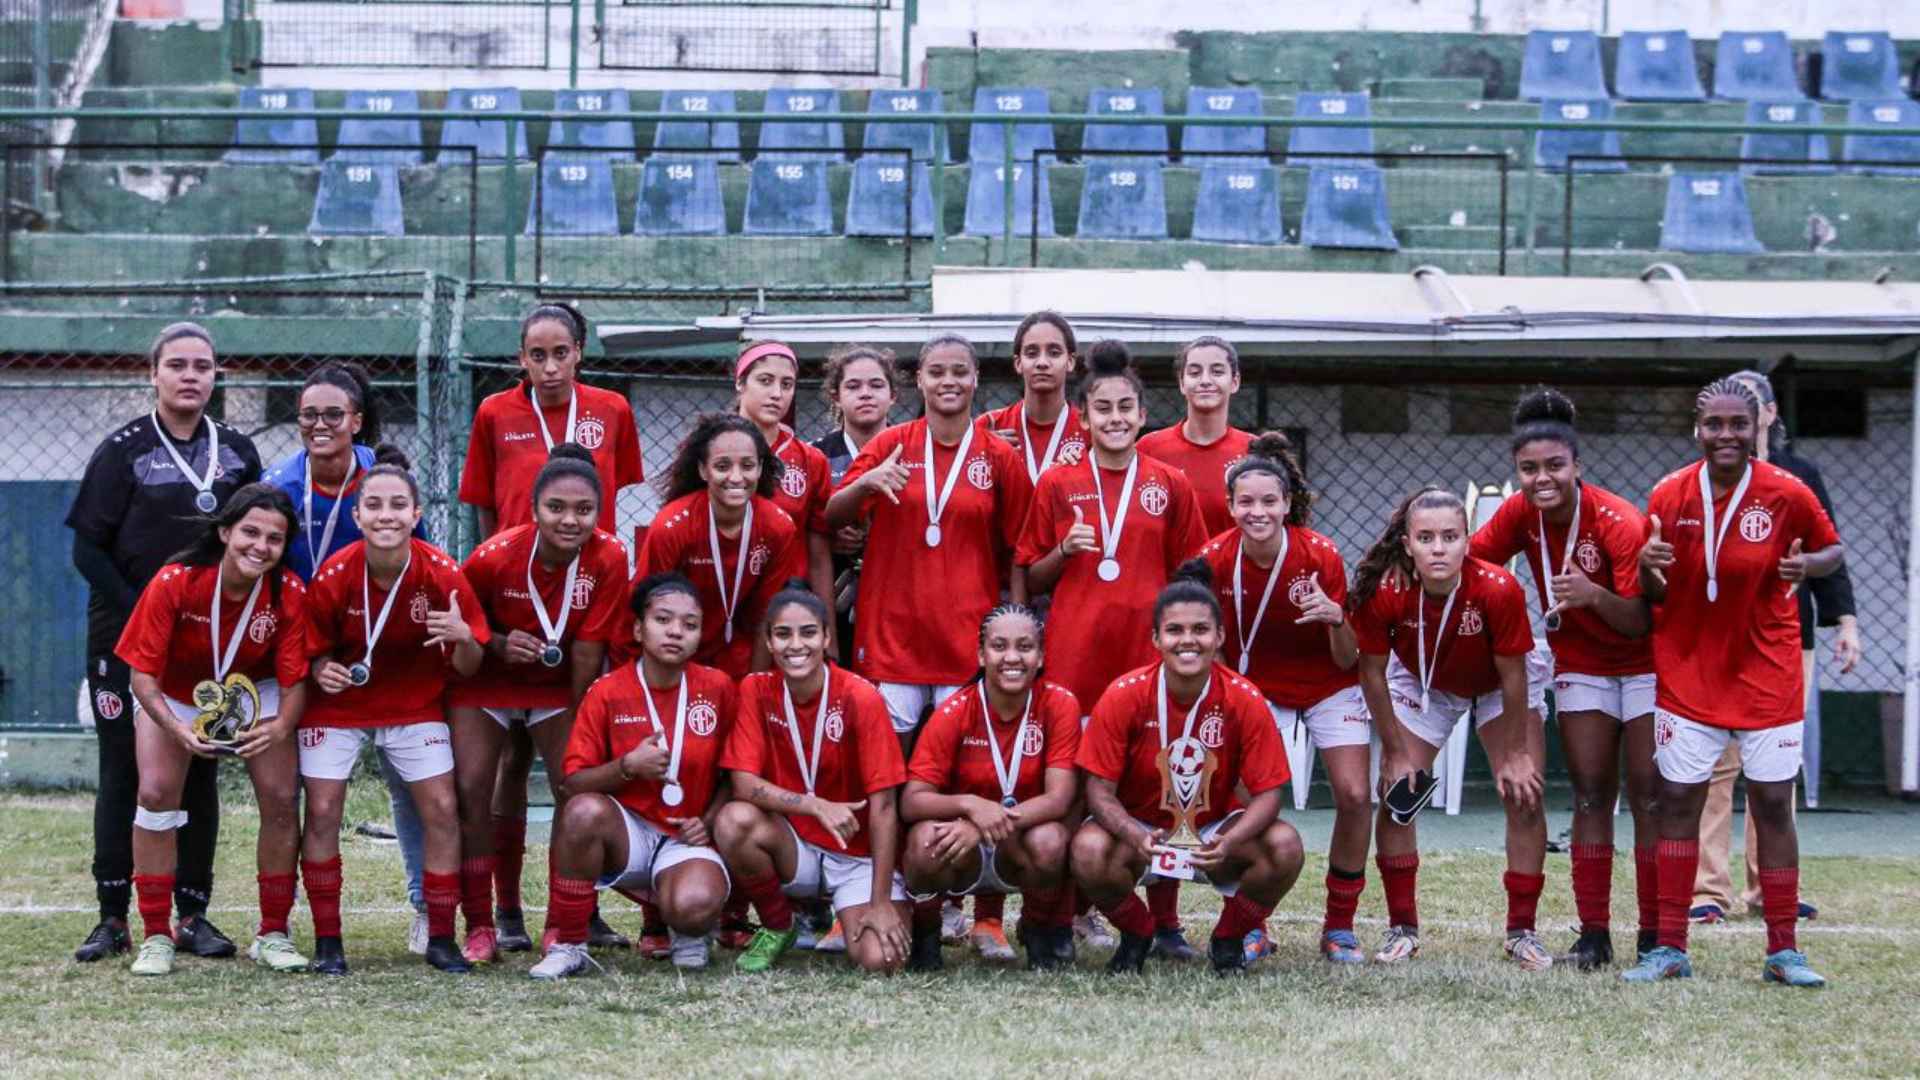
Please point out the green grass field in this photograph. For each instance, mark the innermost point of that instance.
(1458, 1010)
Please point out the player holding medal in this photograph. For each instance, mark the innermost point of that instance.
(388, 619)
(1730, 542)
(1169, 746)
(1042, 425)
(214, 638)
(766, 375)
(642, 772)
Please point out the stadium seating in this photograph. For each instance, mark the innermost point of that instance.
(1750, 66)
(1792, 149)
(987, 201)
(788, 198)
(1859, 66)
(574, 197)
(988, 142)
(357, 199)
(927, 141)
(1707, 213)
(1552, 147)
(801, 137)
(1123, 200)
(1562, 65)
(1217, 142)
(1238, 205)
(379, 137)
(488, 138)
(611, 136)
(1356, 141)
(1347, 208)
(721, 137)
(1149, 140)
(272, 140)
(1890, 154)
(679, 196)
(1656, 65)
(877, 198)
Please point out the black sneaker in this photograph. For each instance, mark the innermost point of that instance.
(329, 957)
(925, 953)
(600, 935)
(1229, 956)
(1591, 951)
(510, 931)
(444, 954)
(1130, 956)
(1171, 943)
(1049, 948)
(107, 938)
(1644, 943)
(203, 939)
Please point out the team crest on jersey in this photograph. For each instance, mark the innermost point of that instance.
(582, 592)
(980, 473)
(1756, 524)
(1154, 498)
(1032, 740)
(590, 433)
(757, 559)
(1299, 589)
(261, 628)
(1664, 729)
(1212, 731)
(108, 705)
(1587, 554)
(1470, 621)
(1072, 449)
(836, 724)
(702, 717)
(793, 482)
(418, 607)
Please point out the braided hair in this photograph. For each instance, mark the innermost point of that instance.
(1731, 386)
(1390, 551)
(1272, 453)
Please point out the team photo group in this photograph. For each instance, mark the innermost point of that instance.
(847, 685)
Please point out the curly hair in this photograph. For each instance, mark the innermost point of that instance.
(1272, 453)
(683, 478)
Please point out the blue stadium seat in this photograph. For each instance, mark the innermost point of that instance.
(1347, 208)
(1250, 142)
(357, 199)
(378, 137)
(987, 200)
(1859, 66)
(1238, 205)
(488, 138)
(1656, 65)
(679, 196)
(923, 139)
(574, 197)
(1562, 65)
(1357, 141)
(1755, 66)
(722, 137)
(1707, 214)
(1551, 148)
(801, 137)
(877, 198)
(788, 198)
(1123, 200)
(1879, 153)
(988, 142)
(1791, 149)
(1147, 140)
(612, 136)
(275, 140)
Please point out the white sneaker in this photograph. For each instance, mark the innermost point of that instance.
(953, 923)
(689, 953)
(417, 934)
(1401, 944)
(1092, 929)
(562, 961)
(276, 953)
(1525, 948)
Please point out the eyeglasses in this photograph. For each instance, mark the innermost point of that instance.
(315, 417)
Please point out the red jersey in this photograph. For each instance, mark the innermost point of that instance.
(1489, 619)
(497, 570)
(409, 680)
(805, 483)
(1733, 663)
(917, 619)
(679, 540)
(1292, 664)
(1099, 630)
(952, 752)
(613, 720)
(1205, 467)
(1122, 743)
(505, 451)
(171, 635)
(859, 753)
(1012, 425)
(1607, 550)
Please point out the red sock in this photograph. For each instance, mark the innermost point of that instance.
(990, 906)
(510, 854)
(1077, 902)
(776, 913)
(1646, 886)
(1163, 899)
(1343, 899)
(443, 897)
(926, 915)
(276, 900)
(1129, 915)
(734, 911)
(1047, 909)
(1679, 861)
(155, 893)
(1593, 885)
(651, 921)
(1398, 876)
(476, 891)
(1779, 900)
(569, 906)
(1523, 898)
(1240, 916)
(323, 895)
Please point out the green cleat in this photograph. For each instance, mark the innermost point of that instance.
(766, 948)
(1662, 962)
(276, 953)
(156, 956)
(1789, 967)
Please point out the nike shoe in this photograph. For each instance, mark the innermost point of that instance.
(1130, 956)
(688, 952)
(483, 945)
(1592, 950)
(835, 940)
(1663, 962)
(1789, 968)
(989, 939)
(655, 944)
(275, 952)
(953, 923)
(1092, 930)
(924, 955)
(765, 949)
(1525, 948)
(1706, 914)
(1341, 947)
(1171, 943)
(510, 931)
(330, 957)
(602, 936)
(107, 938)
(1401, 944)
(444, 955)
(562, 962)
(417, 934)
(203, 939)
(1229, 957)
(155, 957)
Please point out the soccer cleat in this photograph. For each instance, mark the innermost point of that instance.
(953, 923)
(330, 958)
(738, 935)
(563, 961)
(155, 958)
(1525, 948)
(417, 934)
(1341, 947)
(1401, 944)
(1049, 948)
(654, 944)
(1130, 956)
(510, 932)
(688, 952)
(602, 936)
(924, 954)
(203, 939)
(1789, 968)
(765, 949)
(1257, 945)
(275, 952)
(989, 939)
(444, 955)
(1172, 944)
(1663, 962)
(107, 938)
(1807, 911)
(834, 941)
(1644, 943)
(483, 945)
(809, 937)
(1092, 929)
(1592, 950)
(1229, 957)
(1706, 914)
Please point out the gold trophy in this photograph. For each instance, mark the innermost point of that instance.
(227, 709)
(1186, 772)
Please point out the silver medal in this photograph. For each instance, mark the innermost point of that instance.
(1009, 801)
(671, 794)
(551, 656)
(1109, 570)
(205, 502)
(933, 536)
(359, 674)
(1553, 622)
(1244, 658)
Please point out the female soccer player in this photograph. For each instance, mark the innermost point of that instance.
(1726, 654)
(644, 786)
(1206, 444)
(1177, 739)
(143, 485)
(988, 791)
(388, 619)
(553, 594)
(858, 384)
(1042, 425)
(1418, 683)
(1299, 651)
(222, 620)
(1583, 544)
(815, 775)
(766, 375)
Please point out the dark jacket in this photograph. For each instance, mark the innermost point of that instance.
(1831, 596)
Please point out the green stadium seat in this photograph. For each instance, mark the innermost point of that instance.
(988, 142)
(788, 198)
(1791, 149)
(271, 139)
(378, 136)
(1889, 154)
(1147, 140)
(487, 138)
(720, 137)
(987, 201)
(1319, 141)
(679, 196)
(1224, 144)
(1561, 65)
(927, 141)
(801, 137)
(1347, 208)
(1238, 204)
(357, 198)
(877, 198)
(1755, 66)
(1656, 65)
(1707, 214)
(611, 136)
(1859, 66)
(1552, 147)
(1123, 200)
(573, 197)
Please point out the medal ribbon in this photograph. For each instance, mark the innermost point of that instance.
(333, 516)
(1712, 540)
(679, 720)
(378, 626)
(1245, 632)
(555, 631)
(1008, 775)
(540, 416)
(937, 504)
(1053, 442)
(223, 662)
(1110, 532)
(200, 483)
(809, 768)
(1420, 635)
(729, 598)
(1566, 557)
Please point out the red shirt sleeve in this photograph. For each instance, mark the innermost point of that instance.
(1103, 746)
(476, 478)
(1016, 494)
(456, 585)
(1263, 760)
(587, 745)
(1372, 624)
(933, 751)
(662, 550)
(1815, 528)
(606, 616)
(1623, 539)
(869, 458)
(1507, 613)
(746, 748)
(820, 483)
(628, 468)
(881, 766)
(1062, 723)
(148, 636)
(323, 614)
(1187, 534)
(290, 644)
(1500, 538)
(1042, 529)
(1333, 573)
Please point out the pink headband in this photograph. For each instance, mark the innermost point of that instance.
(761, 352)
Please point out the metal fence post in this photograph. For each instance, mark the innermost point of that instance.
(1007, 169)
(509, 195)
(1533, 171)
(1910, 700)
(573, 48)
(907, 18)
(42, 88)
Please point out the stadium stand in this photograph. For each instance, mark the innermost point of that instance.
(1789, 150)
(927, 141)
(488, 138)
(379, 137)
(357, 198)
(1124, 200)
(1562, 65)
(877, 198)
(1317, 141)
(988, 142)
(1755, 66)
(1656, 65)
(801, 137)
(1219, 142)
(1347, 208)
(1890, 154)
(719, 137)
(987, 201)
(1238, 205)
(574, 197)
(1147, 140)
(788, 198)
(1859, 66)
(679, 196)
(1552, 148)
(1707, 213)
(611, 136)
(275, 140)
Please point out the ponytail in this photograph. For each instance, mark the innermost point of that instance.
(1390, 551)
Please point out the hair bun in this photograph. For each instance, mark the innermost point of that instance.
(1543, 404)
(570, 451)
(389, 454)
(1195, 570)
(796, 584)
(1270, 445)
(1109, 357)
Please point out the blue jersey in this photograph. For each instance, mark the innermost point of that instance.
(290, 476)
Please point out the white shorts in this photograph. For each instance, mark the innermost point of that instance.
(506, 717)
(417, 752)
(1623, 697)
(651, 853)
(988, 881)
(1444, 710)
(847, 880)
(1687, 750)
(1226, 887)
(1339, 719)
(907, 702)
(269, 704)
